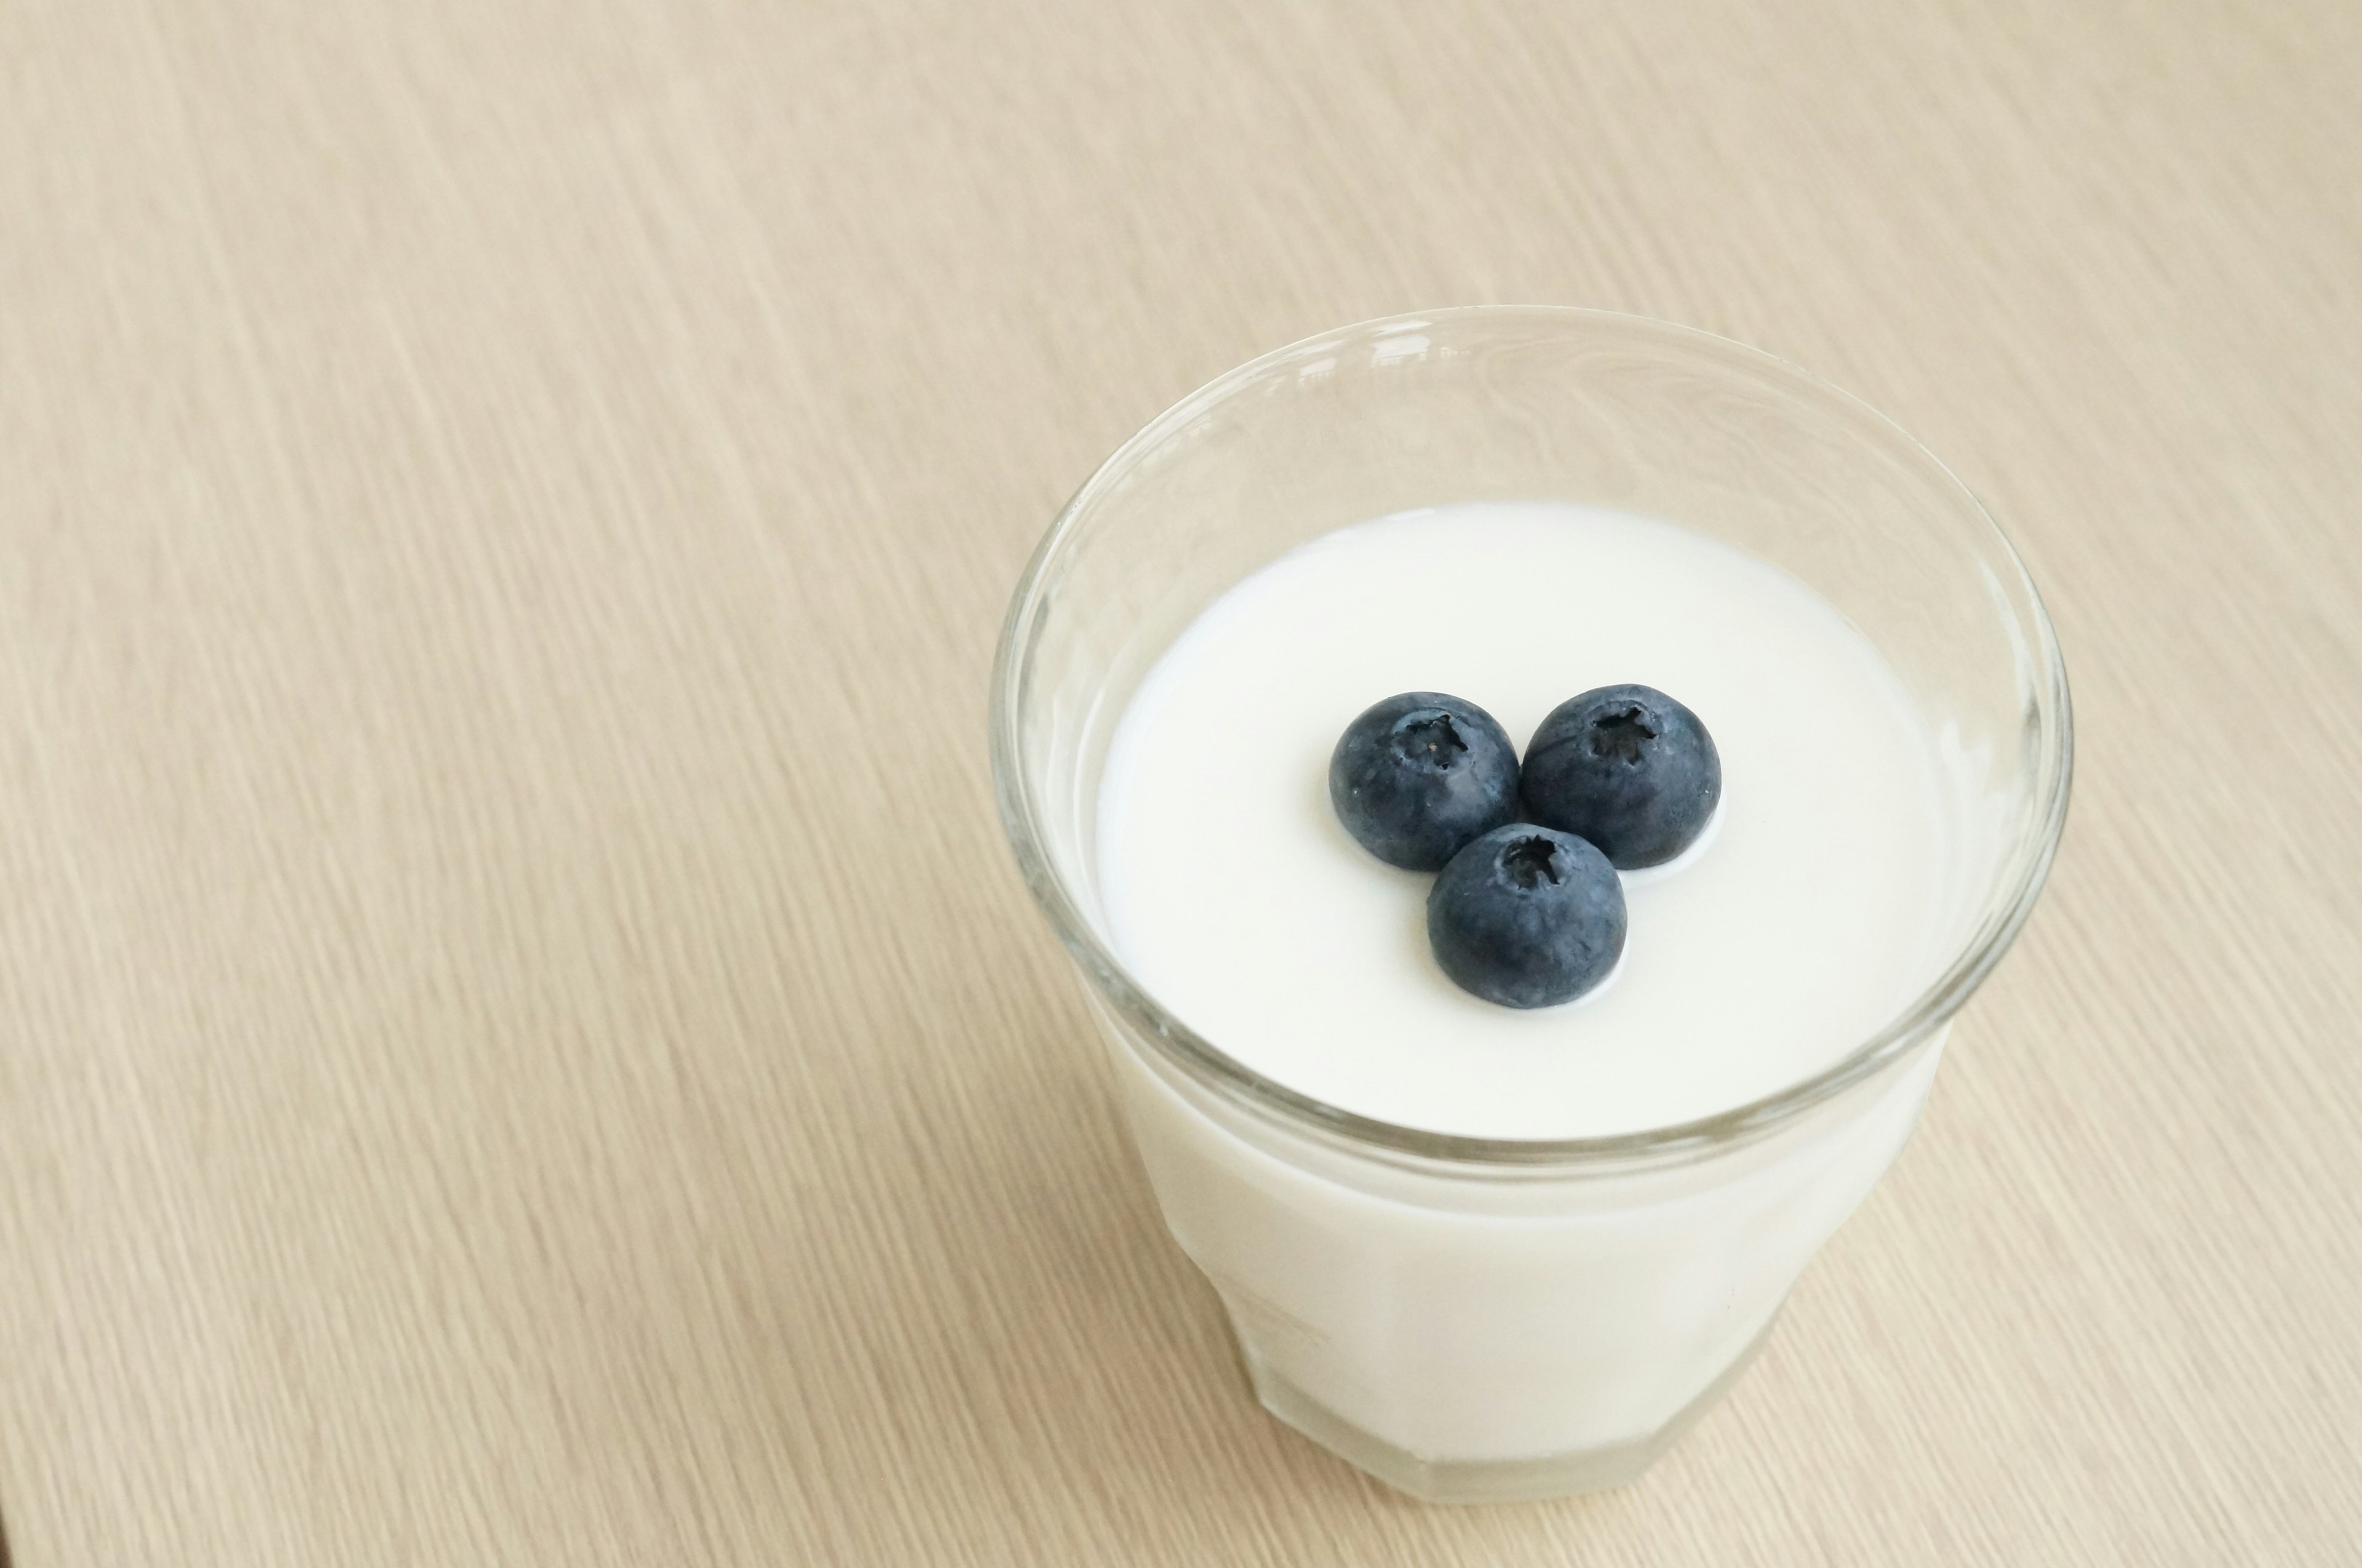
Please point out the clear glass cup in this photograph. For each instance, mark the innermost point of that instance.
(1471, 1318)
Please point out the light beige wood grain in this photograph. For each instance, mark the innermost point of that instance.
(518, 1040)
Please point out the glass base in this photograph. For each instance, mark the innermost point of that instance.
(1491, 1481)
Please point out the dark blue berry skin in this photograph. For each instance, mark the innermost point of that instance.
(1626, 768)
(1420, 774)
(1527, 916)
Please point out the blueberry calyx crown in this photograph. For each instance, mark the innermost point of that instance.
(1531, 862)
(1620, 732)
(1426, 735)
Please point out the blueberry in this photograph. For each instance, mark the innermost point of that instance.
(1420, 774)
(1527, 916)
(1626, 768)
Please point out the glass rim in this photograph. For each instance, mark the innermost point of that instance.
(2034, 847)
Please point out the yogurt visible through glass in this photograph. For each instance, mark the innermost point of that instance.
(1801, 920)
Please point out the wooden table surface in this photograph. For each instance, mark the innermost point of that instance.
(519, 1040)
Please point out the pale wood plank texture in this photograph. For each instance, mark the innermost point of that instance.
(518, 1040)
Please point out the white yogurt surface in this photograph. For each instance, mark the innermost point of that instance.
(1804, 923)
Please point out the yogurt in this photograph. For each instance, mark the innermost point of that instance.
(1801, 922)
(1469, 1336)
